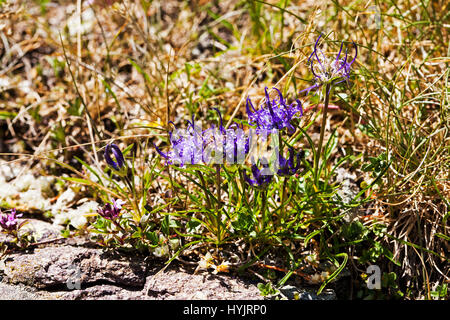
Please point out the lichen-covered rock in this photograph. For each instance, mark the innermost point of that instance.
(55, 267)
(19, 292)
(103, 292)
(70, 272)
(41, 230)
(184, 286)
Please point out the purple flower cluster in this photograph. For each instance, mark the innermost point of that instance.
(111, 212)
(262, 177)
(327, 70)
(287, 167)
(277, 114)
(9, 222)
(236, 145)
(195, 146)
(186, 147)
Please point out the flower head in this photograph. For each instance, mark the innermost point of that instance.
(213, 144)
(232, 142)
(111, 212)
(276, 115)
(9, 222)
(237, 145)
(328, 70)
(287, 167)
(111, 147)
(186, 146)
(262, 177)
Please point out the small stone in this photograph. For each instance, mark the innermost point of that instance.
(42, 230)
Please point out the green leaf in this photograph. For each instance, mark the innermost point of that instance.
(267, 289)
(355, 231)
(335, 273)
(7, 115)
(440, 292)
(79, 180)
(311, 235)
(442, 236)
(59, 134)
(108, 90)
(142, 72)
(153, 237)
(90, 169)
(75, 108)
(65, 233)
(192, 226)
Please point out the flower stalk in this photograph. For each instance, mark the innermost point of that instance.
(219, 203)
(263, 209)
(322, 131)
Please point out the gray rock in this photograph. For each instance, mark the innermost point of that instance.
(53, 272)
(9, 171)
(102, 292)
(176, 285)
(41, 230)
(19, 292)
(349, 188)
(53, 267)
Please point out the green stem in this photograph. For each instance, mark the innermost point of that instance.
(263, 209)
(119, 226)
(322, 132)
(242, 182)
(219, 203)
(202, 179)
(125, 232)
(280, 143)
(19, 240)
(283, 198)
(133, 192)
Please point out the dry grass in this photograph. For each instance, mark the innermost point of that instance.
(135, 68)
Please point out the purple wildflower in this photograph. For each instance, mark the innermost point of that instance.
(186, 147)
(117, 154)
(277, 114)
(111, 212)
(236, 146)
(9, 222)
(195, 146)
(328, 70)
(262, 177)
(287, 167)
